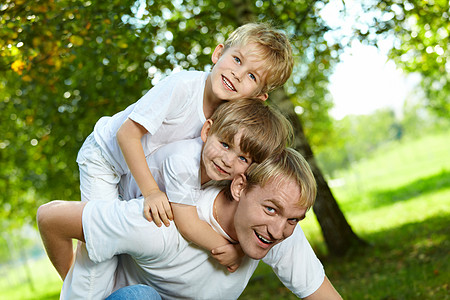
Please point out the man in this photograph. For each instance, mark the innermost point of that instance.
(260, 210)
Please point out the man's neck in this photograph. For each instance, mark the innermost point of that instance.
(224, 210)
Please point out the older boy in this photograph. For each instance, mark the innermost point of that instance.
(261, 210)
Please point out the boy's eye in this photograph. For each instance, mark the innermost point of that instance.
(225, 145)
(243, 159)
(237, 59)
(252, 77)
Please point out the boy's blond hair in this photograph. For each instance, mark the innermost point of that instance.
(275, 49)
(289, 164)
(264, 129)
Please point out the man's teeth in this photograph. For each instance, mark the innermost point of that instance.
(263, 239)
(228, 84)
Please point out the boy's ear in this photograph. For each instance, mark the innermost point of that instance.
(205, 130)
(217, 53)
(237, 186)
(263, 97)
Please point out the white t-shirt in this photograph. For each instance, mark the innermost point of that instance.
(172, 110)
(163, 259)
(175, 168)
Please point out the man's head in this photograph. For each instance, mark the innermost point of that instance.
(253, 61)
(272, 198)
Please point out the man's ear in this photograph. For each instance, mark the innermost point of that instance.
(217, 53)
(237, 186)
(263, 97)
(205, 130)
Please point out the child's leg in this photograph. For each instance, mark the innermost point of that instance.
(98, 181)
(98, 178)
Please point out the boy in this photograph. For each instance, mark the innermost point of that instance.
(238, 134)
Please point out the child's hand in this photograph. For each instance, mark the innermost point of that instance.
(158, 205)
(229, 255)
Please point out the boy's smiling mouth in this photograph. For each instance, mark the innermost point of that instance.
(228, 84)
(220, 169)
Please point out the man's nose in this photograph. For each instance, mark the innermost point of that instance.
(276, 229)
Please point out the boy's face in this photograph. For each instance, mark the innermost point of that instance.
(221, 160)
(238, 73)
(267, 215)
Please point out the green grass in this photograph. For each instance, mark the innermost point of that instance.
(398, 201)
(45, 282)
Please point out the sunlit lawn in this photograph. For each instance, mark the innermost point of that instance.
(398, 201)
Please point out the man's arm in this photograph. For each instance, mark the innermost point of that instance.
(59, 222)
(325, 291)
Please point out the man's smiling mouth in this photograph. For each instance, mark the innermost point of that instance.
(228, 84)
(262, 239)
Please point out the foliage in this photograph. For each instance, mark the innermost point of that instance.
(67, 63)
(421, 29)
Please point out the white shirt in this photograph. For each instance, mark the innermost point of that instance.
(175, 168)
(163, 259)
(172, 110)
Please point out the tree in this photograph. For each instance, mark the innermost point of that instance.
(67, 63)
(421, 31)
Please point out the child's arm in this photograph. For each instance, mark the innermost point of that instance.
(200, 233)
(59, 222)
(129, 138)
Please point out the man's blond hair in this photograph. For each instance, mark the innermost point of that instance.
(275, 49)
(287, 165)
(264, 129)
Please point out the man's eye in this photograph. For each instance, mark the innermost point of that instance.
(252, 77)
(237, 59)
(225, 145)
(271, 210)
(294, 221)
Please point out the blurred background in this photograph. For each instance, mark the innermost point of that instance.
(368, 97)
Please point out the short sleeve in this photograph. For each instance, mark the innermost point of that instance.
(165, 101)
(181, 179)
(296, 264)
(116, 227)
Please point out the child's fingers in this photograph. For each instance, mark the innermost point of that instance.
(168, 210)
(147, 210)
(155, 216)
(219, 250)
(232, 268)
(163, 214)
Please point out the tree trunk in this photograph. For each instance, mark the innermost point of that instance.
(337, 233)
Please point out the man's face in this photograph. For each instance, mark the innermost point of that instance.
(266, 216)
